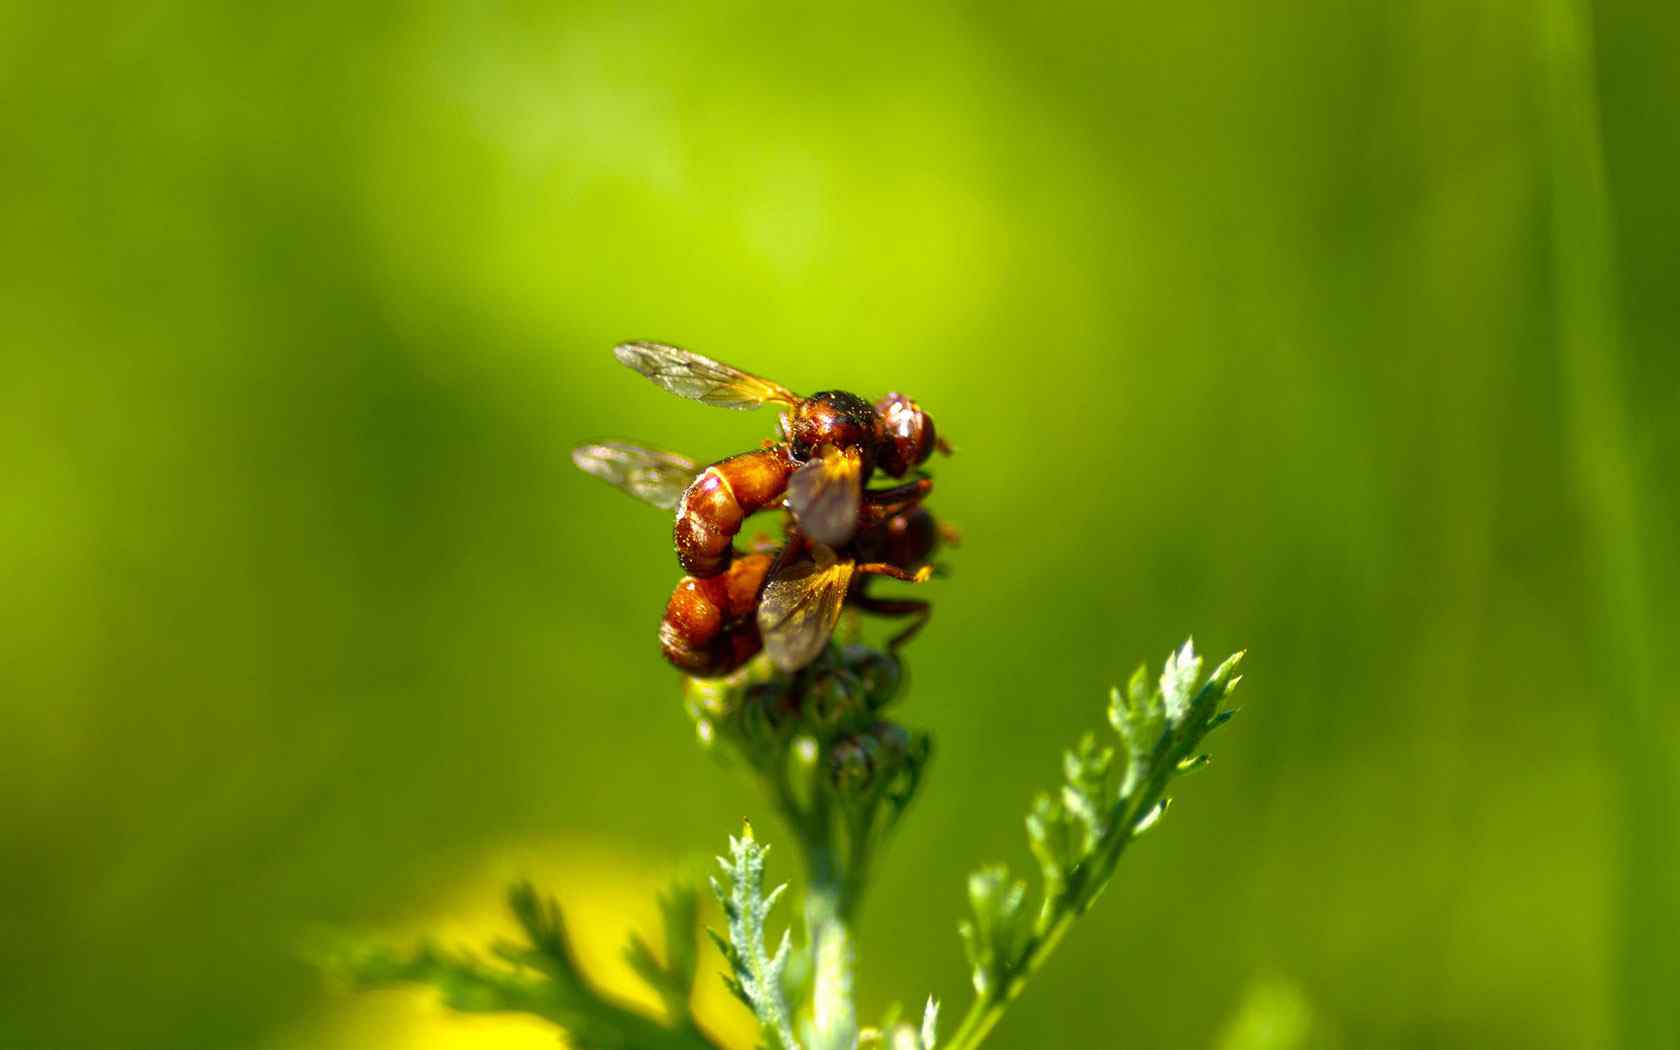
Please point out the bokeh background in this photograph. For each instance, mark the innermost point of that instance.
(1345, 333)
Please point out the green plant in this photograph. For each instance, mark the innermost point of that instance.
(840, 775)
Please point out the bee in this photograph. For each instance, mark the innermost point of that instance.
(831, 442)
(784, 600)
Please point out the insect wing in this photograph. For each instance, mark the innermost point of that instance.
(702, 379)
(649, 475)
(825, 495)
(800, 606)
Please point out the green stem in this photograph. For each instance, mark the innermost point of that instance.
(1083, 886)
(833, 1015)
(829, 898)
(985, 1012)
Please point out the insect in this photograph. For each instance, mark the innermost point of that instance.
(831, 442)
(710, 626)
(812, 582)
(784, 600)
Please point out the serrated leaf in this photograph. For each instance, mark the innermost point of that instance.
(722, 943)
(1050, 838)
(758, 976)
(736, 990)
(992, 940)
(642, 960)
(1151, 818)
(672, 978)
(1085, 795)
(542, 981)
(1221, 675)
(1137, 687)
(1178, 681)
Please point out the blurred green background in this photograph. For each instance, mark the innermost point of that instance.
(1343, 332)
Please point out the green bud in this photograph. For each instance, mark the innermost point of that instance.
(833, 699)
(851, 764)
(892, 740)
(881, 674)
(715, 698)
(803, 760)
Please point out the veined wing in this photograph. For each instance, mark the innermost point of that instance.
(825, 495)
(687, 374)
(648, 474)
(800, 607)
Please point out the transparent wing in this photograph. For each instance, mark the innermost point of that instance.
(825, 494)
(648, 474)
(698, 378)
(800, 607)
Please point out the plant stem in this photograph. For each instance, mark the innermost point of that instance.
(1083, 886)
(833, 1015)
(828, 900)
(985, 1012)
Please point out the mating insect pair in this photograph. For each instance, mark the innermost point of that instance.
(831, 443)
(841, 533)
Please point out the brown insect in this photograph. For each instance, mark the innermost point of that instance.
(812, 582)
(710, 626)
(785, 600)
(831, 442)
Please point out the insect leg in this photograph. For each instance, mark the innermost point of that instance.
(909, 492)
(898, 608)
(881, 504)
(881, 568)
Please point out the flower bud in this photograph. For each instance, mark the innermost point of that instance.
(881, 674)
(767, 710)
(833, 698)
(892, 741)
(713, 698)
(850, 764)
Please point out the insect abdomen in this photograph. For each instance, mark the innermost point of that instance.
(709, 627)
(711, 509)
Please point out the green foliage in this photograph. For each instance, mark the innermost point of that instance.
(1368, 312)
(842, 776)
(894, 1034)
(819, 742)
(1079, 834)
(672, 978)
(540, 977)
(755, 976)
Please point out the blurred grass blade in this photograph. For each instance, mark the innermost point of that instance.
(1608, 485)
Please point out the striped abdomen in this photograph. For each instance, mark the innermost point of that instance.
(710, 628)
(711, 509)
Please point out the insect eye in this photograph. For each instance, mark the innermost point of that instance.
(930, 437)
